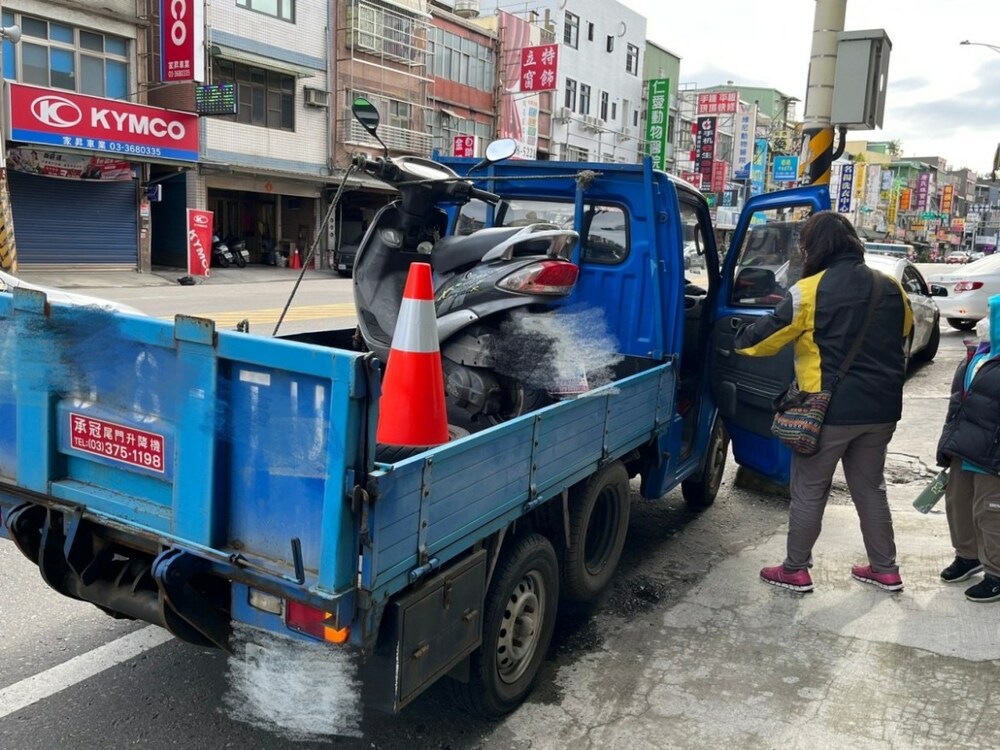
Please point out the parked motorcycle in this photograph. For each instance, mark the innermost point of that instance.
(222, 256)
(239, 251)
(485, 282)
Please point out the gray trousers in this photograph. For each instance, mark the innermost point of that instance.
(972, 502)
(862, 448)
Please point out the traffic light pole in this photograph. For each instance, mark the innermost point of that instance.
(817, 141)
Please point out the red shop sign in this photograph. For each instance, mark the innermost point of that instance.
(62, 118)
(182, 40)
(199, 236)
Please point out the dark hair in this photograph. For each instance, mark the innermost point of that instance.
(825, 237)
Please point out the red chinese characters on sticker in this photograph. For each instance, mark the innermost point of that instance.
(539, 67)
(117, 442)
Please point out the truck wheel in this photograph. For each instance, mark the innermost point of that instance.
(598, 523)
(520, 613)
(700, 492)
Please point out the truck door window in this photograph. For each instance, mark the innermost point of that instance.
(696, 244)
(605, 235)
(769, 260)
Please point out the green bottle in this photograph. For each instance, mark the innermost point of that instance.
(928, 498)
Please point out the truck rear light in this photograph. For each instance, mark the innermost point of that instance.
(545, 277)
(265, 602)
(968, 286)
(314, 622)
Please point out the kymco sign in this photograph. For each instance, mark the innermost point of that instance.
(182, 40)
(62, 118)
(199, 233)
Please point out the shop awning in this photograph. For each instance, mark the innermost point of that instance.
(451, 114)
(262, 61)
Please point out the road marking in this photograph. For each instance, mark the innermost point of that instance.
(272, 314)
(46, 684)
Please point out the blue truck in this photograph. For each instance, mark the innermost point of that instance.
(197, 479)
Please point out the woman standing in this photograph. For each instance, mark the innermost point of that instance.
(822, 314)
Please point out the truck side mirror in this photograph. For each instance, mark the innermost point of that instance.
(754, 283)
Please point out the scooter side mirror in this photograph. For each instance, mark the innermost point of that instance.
(497, 151)
(367, 114)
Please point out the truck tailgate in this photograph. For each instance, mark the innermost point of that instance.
(220, 441)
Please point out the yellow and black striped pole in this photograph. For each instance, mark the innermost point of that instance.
(817, 131)
(8, 250)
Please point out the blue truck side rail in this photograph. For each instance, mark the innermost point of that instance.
(430, 508)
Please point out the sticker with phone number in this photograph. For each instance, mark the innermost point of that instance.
(117, 442)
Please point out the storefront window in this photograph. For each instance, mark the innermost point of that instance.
(64, 57)
(264, 97)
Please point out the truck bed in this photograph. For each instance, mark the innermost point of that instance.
(262, 441)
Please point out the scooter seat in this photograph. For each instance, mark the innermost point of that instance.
(457, 251)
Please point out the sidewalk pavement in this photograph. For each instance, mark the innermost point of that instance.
(82, 278)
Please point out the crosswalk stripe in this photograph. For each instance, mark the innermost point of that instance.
(273, 314)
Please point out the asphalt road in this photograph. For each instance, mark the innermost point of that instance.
(71, 677)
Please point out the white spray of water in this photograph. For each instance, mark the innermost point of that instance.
(292, 688)
(554, 349)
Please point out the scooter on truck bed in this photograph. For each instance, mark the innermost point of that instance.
(201, 479)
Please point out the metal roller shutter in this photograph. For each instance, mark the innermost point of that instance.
(73, 222)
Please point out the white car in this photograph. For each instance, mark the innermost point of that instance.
(922, 345)
(968, 290)
(926, 336)
(8, 283)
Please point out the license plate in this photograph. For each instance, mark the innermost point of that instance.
(342, 266)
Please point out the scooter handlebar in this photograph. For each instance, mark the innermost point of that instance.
(484, 195)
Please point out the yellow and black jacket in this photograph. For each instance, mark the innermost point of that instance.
(823, 314)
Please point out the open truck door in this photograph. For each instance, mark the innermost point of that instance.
(762, 263)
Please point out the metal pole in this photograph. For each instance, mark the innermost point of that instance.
(817, 141)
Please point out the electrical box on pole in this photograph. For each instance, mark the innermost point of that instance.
(861, 77)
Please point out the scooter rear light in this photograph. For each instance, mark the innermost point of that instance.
(546, 277)
(968, 286)
(314, 622)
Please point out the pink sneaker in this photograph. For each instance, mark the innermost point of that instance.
(887, 581)
(796, 580)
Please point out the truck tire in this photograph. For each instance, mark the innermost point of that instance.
(598, 523)
(519, 617)
(391, 454)
(700, 492)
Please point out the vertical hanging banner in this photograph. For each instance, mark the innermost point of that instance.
(758, 168)
(704, 146)
(947, 198)
(923, 190)
(199, 236)
(746, 127)
(846, 189)
(720, 174)
(182, 40)
(657, 112)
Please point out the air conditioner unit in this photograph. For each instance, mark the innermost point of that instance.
(592, 122)
(625, 133)
(316, 97)
(565, 114)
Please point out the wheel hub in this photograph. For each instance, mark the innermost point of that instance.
(519, 633)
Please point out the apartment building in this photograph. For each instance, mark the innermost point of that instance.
(263, 170)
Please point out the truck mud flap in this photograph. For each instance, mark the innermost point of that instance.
(124, 582)
(425, 633)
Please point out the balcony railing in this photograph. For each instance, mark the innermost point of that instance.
(396, 138)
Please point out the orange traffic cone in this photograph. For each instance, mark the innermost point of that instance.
(412, 409)
(294, 261)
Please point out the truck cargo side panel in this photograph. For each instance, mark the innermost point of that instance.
(433, 506)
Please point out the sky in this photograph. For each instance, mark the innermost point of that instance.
(943, 99)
